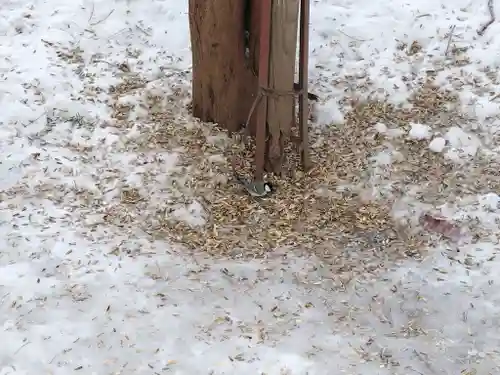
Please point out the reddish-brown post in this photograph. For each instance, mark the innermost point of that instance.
(223, 85)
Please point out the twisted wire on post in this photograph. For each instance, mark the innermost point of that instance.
(266, 91)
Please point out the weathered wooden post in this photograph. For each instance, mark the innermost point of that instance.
(304, 83)
(244, 57)
(281, 116)
(223, 85)
(261, 131)
(277, 90)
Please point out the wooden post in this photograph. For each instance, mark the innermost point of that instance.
(223, 86)
(303, 83)
(281, 114)
(275, 24)
(260, 139)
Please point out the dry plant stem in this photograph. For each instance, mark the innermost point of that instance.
(91, 13)
(494, 97)
(353, 38)
(141, 29)
(102, 20)
(450, 37)
(492, 19)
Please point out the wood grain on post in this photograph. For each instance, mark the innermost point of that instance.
(261, 128)
(281, 108)
(223, 86)
(304, 84)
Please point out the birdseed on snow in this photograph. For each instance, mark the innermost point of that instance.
(325, 210)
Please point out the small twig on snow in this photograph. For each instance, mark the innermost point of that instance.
(90, 31)
(91, 13)
(105, 62)
(353, 38)
(492, 19)
(30, 122)
(22, 346)
(423, 15)
(494, 97)
(141, 29)
(104, 19)
(450, 36)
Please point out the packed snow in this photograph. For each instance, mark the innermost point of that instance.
(437, 144)
(419, 132)
(381, 128)
(81, 294)
(462, 144)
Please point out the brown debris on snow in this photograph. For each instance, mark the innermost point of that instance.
(441, 225)
(341, 210)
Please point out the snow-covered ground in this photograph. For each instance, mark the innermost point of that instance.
(80, 293)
